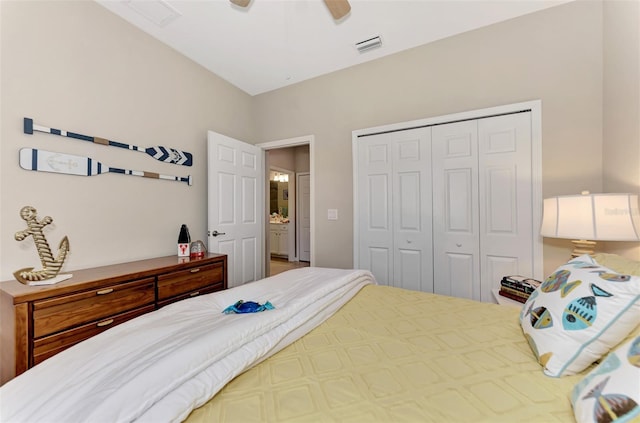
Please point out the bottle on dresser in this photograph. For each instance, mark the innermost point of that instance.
(184, 240)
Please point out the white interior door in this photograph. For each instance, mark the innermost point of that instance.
(304, 216)
(374, 185)
(456, 234)
(236, 206)
(412, 232)
(506, 203)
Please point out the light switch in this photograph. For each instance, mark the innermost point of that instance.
(332, 214)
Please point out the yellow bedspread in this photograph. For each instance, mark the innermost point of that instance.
(394, 355)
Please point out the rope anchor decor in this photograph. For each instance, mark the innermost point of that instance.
(50, 266)
(49, 161)
(160, 153)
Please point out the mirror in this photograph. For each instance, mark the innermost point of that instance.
(278, 198)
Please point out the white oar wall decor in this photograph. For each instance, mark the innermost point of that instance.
(49, 161)
(160, 153)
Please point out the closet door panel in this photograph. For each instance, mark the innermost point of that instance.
(411, 210)
(500, 185)
(458, 203)
(504, 157)
(498, 266)
(409, 269)
(455, 204)
(409, 201)
(378, 206)
(461, 268)
(380, 261)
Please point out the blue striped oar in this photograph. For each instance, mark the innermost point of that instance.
(49, 161)
(163, 154)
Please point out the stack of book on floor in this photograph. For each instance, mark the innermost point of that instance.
(517, 288)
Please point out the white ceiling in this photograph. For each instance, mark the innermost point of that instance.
(275, 43)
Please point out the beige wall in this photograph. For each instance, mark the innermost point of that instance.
(302, 158)
(284, 158)
(295, 159)
(554, 55)
(74, 65)
(621, 152)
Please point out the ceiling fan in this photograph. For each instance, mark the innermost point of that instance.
(338, 8)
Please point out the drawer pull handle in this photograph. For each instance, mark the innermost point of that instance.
(105, 323)
(194, 294)
(195, 270)
(104, 291)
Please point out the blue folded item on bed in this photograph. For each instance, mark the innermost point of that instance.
(248, 307)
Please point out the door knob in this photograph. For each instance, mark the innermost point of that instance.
(216, 233)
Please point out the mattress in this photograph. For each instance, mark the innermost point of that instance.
(396, 355)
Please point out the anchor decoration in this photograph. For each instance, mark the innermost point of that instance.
(50, 266)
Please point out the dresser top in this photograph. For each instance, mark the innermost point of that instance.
(115, 273)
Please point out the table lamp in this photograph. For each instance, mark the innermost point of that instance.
(587, 218)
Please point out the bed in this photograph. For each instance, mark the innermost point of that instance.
(350, 350)
(396, 355)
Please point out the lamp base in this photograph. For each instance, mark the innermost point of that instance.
(581, 247)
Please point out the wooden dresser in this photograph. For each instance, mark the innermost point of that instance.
(37, 322)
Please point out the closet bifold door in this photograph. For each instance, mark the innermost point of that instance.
(375, 169)
(411, 209)
(394, 185)
(506, 203)
(482, 204)
(456, 234)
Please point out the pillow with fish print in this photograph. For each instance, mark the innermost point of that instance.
(578, 314)
(611, 391)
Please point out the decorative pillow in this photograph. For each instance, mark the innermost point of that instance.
(611, 391)
(578, 314)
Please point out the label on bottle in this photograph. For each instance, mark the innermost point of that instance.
(183, 250)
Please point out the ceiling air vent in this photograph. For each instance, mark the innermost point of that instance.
(159, 12)
(369, 44)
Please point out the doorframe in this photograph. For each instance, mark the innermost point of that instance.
(294, 142)
(533, 106)
(297, 237)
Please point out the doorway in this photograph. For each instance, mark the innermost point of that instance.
(284, 161)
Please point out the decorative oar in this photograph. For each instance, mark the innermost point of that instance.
(49, 161)
(163, 154)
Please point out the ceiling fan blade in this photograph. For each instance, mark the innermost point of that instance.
(241, 3)
(338, 8)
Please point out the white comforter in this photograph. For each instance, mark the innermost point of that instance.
(162, 365)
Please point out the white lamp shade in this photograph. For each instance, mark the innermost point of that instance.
(597, 217)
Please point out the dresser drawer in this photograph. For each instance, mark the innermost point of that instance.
(191, 294)
(48, 346)
(196, 279)
(64, 312)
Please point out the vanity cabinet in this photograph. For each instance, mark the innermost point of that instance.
(279, 235)
(37, 322)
